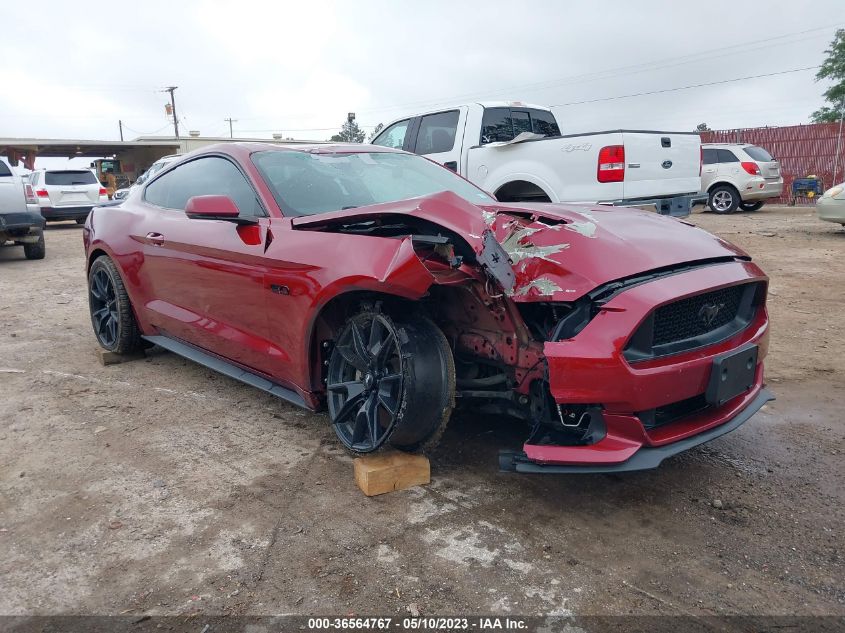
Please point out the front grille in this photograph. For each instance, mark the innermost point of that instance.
(695, 321)
(672, 412)
(691, 317)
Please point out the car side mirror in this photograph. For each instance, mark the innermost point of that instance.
(214, 208)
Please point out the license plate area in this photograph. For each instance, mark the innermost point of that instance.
(732, 374)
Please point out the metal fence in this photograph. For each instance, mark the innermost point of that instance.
(802, 150)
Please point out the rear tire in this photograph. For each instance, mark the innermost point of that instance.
(36, 250)
(751, 206)
(723, 199)
(390, 383)
(81, 220)
(111, 311)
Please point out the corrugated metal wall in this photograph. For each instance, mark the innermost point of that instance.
(801, 149)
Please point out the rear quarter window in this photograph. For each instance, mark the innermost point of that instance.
(758, 153)
(70, 178)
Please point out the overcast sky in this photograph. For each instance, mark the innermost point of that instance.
(72, 69)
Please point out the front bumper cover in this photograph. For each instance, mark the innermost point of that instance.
(645, 457)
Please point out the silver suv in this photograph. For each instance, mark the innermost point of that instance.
(738, 176)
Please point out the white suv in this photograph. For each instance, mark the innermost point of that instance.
(67, 194)
(738, 175)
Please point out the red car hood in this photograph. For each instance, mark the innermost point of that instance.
(557, 251)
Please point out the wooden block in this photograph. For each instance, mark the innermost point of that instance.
(386, 472)
(110, 358)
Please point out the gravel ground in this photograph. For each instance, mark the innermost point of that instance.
(159, 487)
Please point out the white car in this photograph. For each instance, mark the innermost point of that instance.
(153, 169)
(67, 194)
(738, 176)
(831, 206)
(516, 152)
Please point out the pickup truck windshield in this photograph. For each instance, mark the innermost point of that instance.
(306, 184)
(504, 124)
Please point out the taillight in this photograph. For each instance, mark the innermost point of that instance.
(42, 193)
(751, 168)
(103, 191)
(611, 164)
(29, 194)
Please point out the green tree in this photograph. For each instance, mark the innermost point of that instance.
(349, 133)
(832, 69)
(702, 127)
(375, 132)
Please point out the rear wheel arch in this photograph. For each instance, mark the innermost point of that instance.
(522, 191)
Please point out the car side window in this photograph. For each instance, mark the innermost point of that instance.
(437, 132)
(709, 156)
(206, 176)
(726, 156)
(394, 136)
(4, 170)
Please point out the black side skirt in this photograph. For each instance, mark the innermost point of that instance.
(226, 368)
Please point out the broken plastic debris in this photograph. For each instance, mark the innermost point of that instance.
(543, 285)
(517, 251)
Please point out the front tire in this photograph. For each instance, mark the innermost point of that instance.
(390, 383)
(751, 206)
(111, 311)
(723, 199)
(36, 250)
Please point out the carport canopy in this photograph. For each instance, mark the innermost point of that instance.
(26, 150)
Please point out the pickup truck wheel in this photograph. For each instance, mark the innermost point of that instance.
(36, 250)
(723, 199)
(390, 383)
(751, 206)
(111, 311)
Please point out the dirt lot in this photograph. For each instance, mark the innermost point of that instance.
(158, 486)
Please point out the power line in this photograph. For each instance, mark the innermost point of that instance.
(709, 83)
(231, 120)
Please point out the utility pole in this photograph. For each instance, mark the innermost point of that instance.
(170, 89)
(230, 120)
(120, 125)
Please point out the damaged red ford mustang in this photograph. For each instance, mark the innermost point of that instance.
(390, 290)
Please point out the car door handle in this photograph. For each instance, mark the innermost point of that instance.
(156, 239)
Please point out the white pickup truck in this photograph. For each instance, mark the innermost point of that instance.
(20, 218)
(516, 152)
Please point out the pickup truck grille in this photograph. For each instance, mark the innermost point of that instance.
(695, 321)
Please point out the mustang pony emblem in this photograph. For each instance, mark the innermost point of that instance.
(709, 312)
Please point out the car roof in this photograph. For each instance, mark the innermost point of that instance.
(727, 144)
(243, 149)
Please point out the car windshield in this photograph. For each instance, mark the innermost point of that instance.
(758, 153)
(68, 178)
(306, 183)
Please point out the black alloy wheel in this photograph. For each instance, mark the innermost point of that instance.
(390, 383)
(104, 314)
(111, 311)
